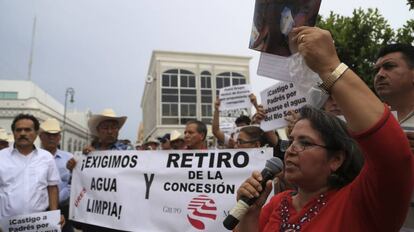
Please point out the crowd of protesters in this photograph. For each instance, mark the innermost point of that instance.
(324, 162)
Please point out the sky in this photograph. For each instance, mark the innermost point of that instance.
(102, 48)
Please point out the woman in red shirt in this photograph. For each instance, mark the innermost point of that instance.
(323, 161)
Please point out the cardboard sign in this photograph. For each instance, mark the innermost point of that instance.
(41, 222)
(189, 190)
(273, 21)
(277, 101)
(235, 97)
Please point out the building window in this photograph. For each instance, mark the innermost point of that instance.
(227, 79)
(170, 110)
(223, 80)
(69, 149)
(178, 97)
(206, 80)
(206, 97)
(238, 79)
(8, 95)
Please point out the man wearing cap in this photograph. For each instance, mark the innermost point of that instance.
(165, 142)
(195, 135)
(177, 141)
(50, 139)
(3, 139)
(105, 128)
(29, 177)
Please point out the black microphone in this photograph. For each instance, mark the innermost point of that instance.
(273, 166)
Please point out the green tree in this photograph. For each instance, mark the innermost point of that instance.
(406, 33)
(358, 38)
(411, 4)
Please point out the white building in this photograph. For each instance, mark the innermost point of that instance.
(183, 86)
(19, 96)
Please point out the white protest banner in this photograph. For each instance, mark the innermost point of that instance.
(277, 101)
(235, 97)
(179, 191)
(42, 222)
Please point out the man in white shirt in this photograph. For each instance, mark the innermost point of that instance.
(394, 84)
(28, 175)
(50, 138)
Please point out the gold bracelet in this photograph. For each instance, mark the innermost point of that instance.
(333, 78)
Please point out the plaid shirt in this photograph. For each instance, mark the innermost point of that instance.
(118, 145)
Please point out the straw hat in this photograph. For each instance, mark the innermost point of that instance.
(151, 140)
(51, 126)
(107, 114)
(175, 135)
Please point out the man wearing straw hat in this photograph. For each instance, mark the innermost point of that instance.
(50, 138)
(105, 129)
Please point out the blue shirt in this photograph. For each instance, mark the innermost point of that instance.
(61, 159)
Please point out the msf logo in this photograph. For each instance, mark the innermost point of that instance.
(200, 209)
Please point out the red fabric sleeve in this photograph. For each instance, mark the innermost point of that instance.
(383, 189)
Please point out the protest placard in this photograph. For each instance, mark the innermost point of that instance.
(277, 101)
(161, 190)
(42, 222)
(273, 20)
(227, 124)
(234, 113)
(235, 97)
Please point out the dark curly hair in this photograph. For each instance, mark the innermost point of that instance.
(28, 117)
(406, 50)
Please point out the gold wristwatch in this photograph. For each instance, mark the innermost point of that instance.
(333, 77)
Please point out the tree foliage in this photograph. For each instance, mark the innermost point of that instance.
(406, 33)
(358, 38)
(411, 4)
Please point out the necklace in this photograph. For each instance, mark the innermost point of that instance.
(310, 213)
